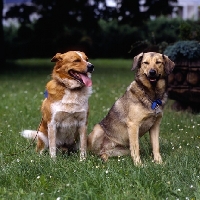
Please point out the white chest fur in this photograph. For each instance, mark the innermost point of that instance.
(73, 101)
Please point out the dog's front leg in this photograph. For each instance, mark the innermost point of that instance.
(52, 140)
(154, 136)
(133, 132)
(83, 142)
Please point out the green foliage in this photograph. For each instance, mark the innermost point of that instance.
(157, 34)
(10, 33)
(114, 40)
(93, 27)
(189, 50)
(163, 30)
(30, 176)
(110, 39)
(190, 30)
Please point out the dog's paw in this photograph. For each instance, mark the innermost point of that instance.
(137, 161)
(52, 151)
(104, 157)
(158, 159)
(53, 158)
(82, 159)
(82, 156)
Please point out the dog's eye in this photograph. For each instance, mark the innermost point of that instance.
(158, 62)
(146, 63)
(77, 60)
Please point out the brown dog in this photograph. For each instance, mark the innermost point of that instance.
(65, 110)
(139, 110)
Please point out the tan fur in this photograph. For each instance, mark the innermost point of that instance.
(65, 110)
(132, 116)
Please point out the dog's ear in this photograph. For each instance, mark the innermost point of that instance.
(57, 57)
(137, 60)
(169, 65)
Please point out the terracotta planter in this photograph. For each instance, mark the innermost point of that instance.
(184, 84)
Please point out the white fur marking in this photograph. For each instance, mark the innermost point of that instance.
(27, 134)
(72, 102)
(82, 57)
(31, 134)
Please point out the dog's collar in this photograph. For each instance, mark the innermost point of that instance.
(45, 94)
(154, 104)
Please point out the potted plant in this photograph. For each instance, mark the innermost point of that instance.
(184, 82)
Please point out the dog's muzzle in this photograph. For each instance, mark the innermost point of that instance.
(90, 67)
(153, 76)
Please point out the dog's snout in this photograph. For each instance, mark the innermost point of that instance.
(152, 72)
(90, 67)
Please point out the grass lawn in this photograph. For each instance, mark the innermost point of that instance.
(30, 176)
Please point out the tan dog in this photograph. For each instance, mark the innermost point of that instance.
(139, 110)
(65, 110)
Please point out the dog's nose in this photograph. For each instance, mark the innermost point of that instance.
(152, 72)
(90, 67)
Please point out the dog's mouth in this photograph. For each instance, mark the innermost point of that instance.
(153, 79)
(152, 76)
(81, 78)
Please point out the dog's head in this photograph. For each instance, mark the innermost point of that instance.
(72, 69)
(153, 65)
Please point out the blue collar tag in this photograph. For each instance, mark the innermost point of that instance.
(45, 94)
(156, 103)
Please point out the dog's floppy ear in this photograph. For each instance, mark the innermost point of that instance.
(169, 65)
(137, 60)
(57, 57)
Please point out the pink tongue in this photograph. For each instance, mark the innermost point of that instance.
(86, 80)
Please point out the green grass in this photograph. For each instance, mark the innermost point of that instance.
(30, 176)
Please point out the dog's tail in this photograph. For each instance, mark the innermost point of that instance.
(33, 134)
(30, 134)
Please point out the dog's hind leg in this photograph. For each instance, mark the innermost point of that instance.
(111, 148)
(95, 139)
(42, 139)
(40, 146)
(101, 145)
(117, 151)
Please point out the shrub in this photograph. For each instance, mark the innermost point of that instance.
(190, 30)
(115, 40)
(189, 50)
(163, 29)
